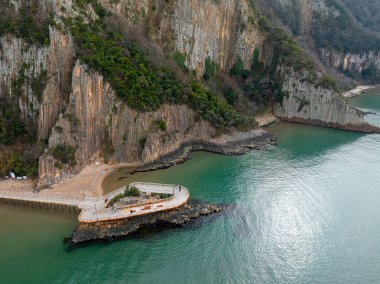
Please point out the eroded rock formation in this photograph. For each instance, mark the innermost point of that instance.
(310, 104)
(78, 108)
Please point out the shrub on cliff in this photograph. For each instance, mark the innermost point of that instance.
(161, 124)
(65, 154)
(238, 68)
(210, 68)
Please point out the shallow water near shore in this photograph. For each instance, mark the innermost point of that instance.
(369, 102)
(307, 211)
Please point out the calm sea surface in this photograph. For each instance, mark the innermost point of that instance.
(306, 211)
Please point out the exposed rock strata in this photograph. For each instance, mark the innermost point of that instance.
(98, 124)
(96, 118)
(309, 104)
(56, 60)
(350, 62)
(108, 230)
(219, 29)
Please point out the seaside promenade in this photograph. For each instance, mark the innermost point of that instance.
(94, 209)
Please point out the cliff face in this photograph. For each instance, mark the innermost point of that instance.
(348, 62)
(306, 103)
(96, 121)
(26, 63)
(218, 29)
(222, 30)
(331, 31)
(79, 109)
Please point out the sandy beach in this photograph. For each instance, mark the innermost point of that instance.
(87, 183)
(357, 91)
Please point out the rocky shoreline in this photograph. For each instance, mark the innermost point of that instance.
(112, 230)
(358, 90)
(236, 144)
(364, 128)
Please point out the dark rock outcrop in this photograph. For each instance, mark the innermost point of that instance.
(108, 230)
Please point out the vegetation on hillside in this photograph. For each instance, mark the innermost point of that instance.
(29, 23)
(347, 26)
(64, 154)
(15, 155)
(366, 12)
(341, 33)
(18, 161)
(286, 51)
(256, 84)
(142, 85)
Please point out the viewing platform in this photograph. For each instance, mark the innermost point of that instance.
(94, 209)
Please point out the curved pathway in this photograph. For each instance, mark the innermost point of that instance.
(94, 208)
(99, 212)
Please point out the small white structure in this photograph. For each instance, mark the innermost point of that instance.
(12, 175)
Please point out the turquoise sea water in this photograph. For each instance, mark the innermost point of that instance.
(306, 211)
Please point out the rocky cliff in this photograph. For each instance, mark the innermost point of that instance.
(221, 30)
(350, 62)
(331, 31)
(75, 111)
(307, 103)
(96, 122)
(22, 64)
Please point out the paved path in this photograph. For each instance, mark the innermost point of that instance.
(35, 197)
(94, 208)
(100, 213)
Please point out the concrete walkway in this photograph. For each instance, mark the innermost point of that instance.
(94, 208)
(35, 197)
(101, 213)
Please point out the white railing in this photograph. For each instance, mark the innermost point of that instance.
(105, 214)
(154, 187)
(150, 187)
(94, 207)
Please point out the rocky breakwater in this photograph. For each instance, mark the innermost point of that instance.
(309, 103)
(235, 143)
(109, 230)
